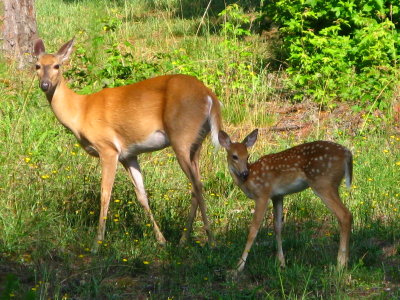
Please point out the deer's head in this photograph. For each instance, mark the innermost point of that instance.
(48, 66)
(237, 154)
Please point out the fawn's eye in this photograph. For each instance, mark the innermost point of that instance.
(56, 67)
(235, 157)
(37, 67)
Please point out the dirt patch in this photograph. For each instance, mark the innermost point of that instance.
(308, 119)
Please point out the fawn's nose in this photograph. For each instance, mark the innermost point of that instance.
(45, 86)
(244, 174)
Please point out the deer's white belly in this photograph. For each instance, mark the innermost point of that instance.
(156, 141)
(294, 187)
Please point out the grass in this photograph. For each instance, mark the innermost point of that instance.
(49, 188)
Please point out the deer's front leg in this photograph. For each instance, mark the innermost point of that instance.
(108, 169)
(259, 212)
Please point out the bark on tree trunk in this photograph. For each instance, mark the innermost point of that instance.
(19, 30)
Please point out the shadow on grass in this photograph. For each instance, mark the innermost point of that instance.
(16, 280)
(193, 9)
(200, 272)
(196, 271)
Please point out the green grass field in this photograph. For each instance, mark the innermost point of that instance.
(50, 188)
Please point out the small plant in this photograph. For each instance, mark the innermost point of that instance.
(120, 68)
(235, 21)
(80, 71)
(111, 23)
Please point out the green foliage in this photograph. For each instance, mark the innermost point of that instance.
(234, 21)
(111, 23)
(340, 50)
(120, 68)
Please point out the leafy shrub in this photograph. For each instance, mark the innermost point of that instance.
(122, 68)
(344, 50)
(119, 68)
(234, 22)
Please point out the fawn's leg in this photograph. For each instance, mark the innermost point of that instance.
(259, 212)
(278, 224)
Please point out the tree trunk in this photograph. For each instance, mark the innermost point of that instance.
(19, 30)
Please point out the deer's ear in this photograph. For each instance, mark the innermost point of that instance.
(251, 138)
(66, 50)
(38, 47)
(224, 139)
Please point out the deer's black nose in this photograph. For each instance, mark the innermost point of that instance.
(244, 174)
(45, 86)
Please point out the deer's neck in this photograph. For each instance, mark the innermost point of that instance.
(67, 106)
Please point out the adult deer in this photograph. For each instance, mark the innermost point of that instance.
(320, 165)
(118, 124)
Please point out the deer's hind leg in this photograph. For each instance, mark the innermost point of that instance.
(329, 194)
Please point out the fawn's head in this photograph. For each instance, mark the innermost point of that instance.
(237, 154)
(48, 66)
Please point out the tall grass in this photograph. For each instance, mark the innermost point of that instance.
(50, 189)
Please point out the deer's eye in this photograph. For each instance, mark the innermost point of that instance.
(235, 157)
(56, 67)
(37, 67)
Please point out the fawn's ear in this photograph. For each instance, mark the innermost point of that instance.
(224, 139)
(38, 47)
(66, 50)
(250, 139)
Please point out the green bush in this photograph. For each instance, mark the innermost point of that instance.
(340, 50)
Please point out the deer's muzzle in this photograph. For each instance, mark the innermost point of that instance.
(45, 86)
(244, 174)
